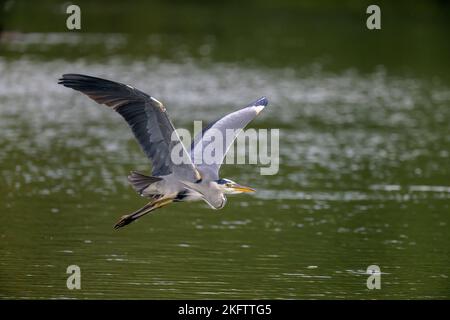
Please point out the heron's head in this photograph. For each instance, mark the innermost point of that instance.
(230, 187)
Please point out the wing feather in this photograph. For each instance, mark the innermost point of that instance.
(145, 115)
(234, 122)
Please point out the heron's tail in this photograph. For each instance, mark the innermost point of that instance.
(140, 181)
(149, 207)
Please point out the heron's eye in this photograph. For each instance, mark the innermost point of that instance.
(228, 185)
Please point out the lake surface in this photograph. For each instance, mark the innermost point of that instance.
(364, 173)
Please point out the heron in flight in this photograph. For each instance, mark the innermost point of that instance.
(190, 180)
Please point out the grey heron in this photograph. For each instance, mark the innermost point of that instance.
(170, 182)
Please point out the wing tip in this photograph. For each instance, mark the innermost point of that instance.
(260, 104)
(69, 79)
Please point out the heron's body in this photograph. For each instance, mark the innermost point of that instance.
(170, 181)
(169, 187)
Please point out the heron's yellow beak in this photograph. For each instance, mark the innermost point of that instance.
(240, 188)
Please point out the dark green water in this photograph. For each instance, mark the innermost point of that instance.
(364, 151)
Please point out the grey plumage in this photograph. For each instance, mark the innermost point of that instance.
(154, 131)
(140, 181)
(233, 123)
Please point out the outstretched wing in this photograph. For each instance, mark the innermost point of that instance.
(231, 125)
(145, 115)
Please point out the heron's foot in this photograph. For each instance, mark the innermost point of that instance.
(149, 207)
(124, 220)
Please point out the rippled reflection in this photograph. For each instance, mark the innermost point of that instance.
(363, 179)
